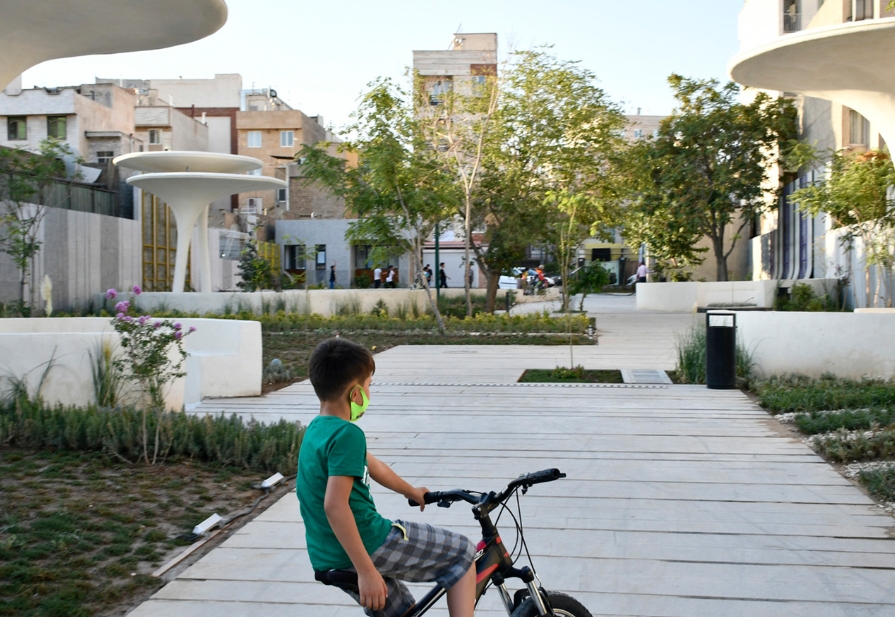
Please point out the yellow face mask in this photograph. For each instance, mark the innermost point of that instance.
(358, 410)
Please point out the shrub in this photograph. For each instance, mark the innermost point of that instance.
(118, 432)
(691, 358)
(793, 393)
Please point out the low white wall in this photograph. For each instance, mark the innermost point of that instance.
(688, 296)
(325, 302)
(224, 358)
(845, 344)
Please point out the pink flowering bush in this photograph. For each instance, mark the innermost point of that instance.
(145, 358)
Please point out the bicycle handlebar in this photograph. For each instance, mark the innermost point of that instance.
(524, 481)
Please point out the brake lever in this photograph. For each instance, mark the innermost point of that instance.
(444, 503)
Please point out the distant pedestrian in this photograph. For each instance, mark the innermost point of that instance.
(442, 277)
(428, 271)
(377, 278)
(642, 272)
(390, 277)
(332, 276)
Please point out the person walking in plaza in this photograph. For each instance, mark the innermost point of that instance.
(390, 278)
(332, 276)
(642, 272)
(428, 271)
(442, 277)
(377, 278)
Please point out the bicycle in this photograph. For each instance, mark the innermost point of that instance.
(494, 564)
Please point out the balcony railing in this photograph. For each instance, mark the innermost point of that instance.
(792, 22)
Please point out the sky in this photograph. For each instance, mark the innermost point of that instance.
(319, 56)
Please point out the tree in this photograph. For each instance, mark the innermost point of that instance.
(24, 180)
(589, 279)
(565, 132)
(255, 272)
(458, 125)
(857, 196)
(400, 188)
(708, 169)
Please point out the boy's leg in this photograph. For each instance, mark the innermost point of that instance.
(461, 597)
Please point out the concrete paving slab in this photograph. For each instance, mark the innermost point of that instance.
(680, 501)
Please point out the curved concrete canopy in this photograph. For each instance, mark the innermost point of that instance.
(188, 195)
(170, 161)
(32, 31)
(848, 63)
(173, 188)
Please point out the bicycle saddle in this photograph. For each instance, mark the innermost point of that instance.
(343, 579)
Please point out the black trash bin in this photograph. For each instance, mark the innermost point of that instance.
(721, 350)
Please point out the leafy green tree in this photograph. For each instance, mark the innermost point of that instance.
(458, 126)
(706, 173)
(857, 196)
(564, 132)
(589, 279)
(256, 273)
(24, 179)
(400, 188)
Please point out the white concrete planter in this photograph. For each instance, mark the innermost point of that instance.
(846, 344)
(688, 296)
(224, 358)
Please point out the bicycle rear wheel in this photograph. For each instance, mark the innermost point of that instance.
(563, 606)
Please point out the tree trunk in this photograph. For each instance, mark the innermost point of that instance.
(466, 256)
(493, 284)
(432, 303)
(720, 258)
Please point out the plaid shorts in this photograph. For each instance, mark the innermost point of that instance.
(418, 553)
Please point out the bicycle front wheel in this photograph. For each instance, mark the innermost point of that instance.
(563, 606)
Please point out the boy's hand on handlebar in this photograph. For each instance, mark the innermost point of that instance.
(418, 494)
(373, 591)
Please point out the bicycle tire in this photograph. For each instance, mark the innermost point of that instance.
(563, 605)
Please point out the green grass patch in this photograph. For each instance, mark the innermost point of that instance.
(691, 359)
(225, 441)
(573, 375)
(794, 393)
(844, 447)
(880, 483)
(816, 422)
(71, 545)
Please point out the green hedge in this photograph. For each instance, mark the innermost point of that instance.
(118, 432)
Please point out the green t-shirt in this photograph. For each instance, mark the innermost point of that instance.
(335, 447)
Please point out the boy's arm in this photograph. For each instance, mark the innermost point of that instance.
(385, 475)
(335, 504)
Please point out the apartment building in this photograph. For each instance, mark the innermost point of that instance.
(788, 243)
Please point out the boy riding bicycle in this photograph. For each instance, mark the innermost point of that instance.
(343, 529)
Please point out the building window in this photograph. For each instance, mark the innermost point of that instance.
(281, 196)
(863, 10)
(791, 16)
(253, 139)
(638, 133)
(56, 127)
(254, 172)
(858, 129)
(254, 204)
(363, 256)
(155, 136)
(439, 90)
(104, 156)
(321, 257)
(294, 256)
(16, 128)
(287, 138)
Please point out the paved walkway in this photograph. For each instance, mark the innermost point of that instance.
(679, 501)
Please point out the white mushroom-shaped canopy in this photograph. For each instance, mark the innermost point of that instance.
(201, 187)
(171, 161)
(33, 31)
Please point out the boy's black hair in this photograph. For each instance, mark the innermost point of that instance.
(337, 363)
